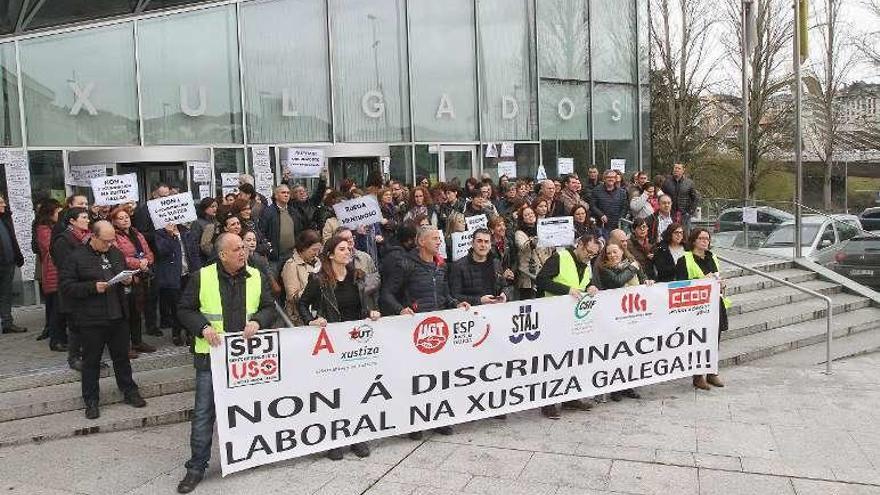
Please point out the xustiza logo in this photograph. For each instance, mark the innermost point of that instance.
(254, 360)
(633, 303)
(431, 335)
(525, 325)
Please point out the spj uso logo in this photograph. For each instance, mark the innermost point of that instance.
(525, 325)
(254, 360)
(431, 335)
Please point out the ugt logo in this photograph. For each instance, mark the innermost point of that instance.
(431, 335)
(633, 303)
(525, 325)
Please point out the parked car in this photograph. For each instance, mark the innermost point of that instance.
(769, 219)
(857, 259)
(817, 232)
(870, 218)
(737, 239)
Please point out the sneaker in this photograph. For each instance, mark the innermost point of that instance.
(334, 454)
(143, 347)
(92, 411)
(134, 399)
(552, 412)
(417, 435)
(190, 481)
(361, 449)
(631, 393)
(444, 430)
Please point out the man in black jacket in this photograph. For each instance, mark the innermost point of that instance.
(280, 225)
(98, 312)
(305, 206)
(10, 257)
(685, 198)
(393, 256)
(476, 278)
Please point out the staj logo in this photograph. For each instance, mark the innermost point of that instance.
(525, 325)
(252, 361)
(686, 297)
(633, 303)
(431, 335)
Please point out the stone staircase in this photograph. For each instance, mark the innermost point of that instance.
(767, 321)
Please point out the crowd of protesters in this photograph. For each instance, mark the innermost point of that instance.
(320, 271)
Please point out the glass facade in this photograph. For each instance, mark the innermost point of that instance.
(437, 83)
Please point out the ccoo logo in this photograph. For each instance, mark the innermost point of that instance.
(633, 303)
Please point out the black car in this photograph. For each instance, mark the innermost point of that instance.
(857, 259)
(870, 218)
(769, 219)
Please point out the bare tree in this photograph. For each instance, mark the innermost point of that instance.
(681, 34)
(826, 77)
(769, 109)
(870, 44)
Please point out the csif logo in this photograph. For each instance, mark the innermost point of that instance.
(525, 325)
(633, 303)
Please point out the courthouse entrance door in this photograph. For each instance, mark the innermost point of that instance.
(151, 173)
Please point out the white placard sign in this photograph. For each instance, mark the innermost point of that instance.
(556, 231)
(618, 164)
(461, 243)
(508, 169)
(441, 251)
(263, 182)
(82, 175)
(476, 222)
(261, 159)
(175, 209)
(542, 173)
(204, 191)
(565, 166)
(304, 162)
(506, 149)
(229, 179)
(201, 172)
(287, 393)
(18, 187)
(491, 150)
(115, 189)
(750, 215)
(359, 211)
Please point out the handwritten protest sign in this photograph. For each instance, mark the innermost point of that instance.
(508, 169)
(476, 222)
(461, 243)
(174, 209)
(565, 166)
(82, 175)
(556, 231)
(359, 211)
(115, 189)
(618, 164)
(304, 162)
(201, 172)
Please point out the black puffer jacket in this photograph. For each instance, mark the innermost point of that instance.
(77, 278)
(683, 193)
(417, 285)
(470, 280)
(620, 275)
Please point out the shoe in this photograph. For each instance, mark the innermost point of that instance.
(76, 365)
(552, 412)
(714, 381)
(578, 405)
(616, 396)
(156, 332)
(631, 393)
(700, 383)
(133, 355)
(134, 399)
(177, 340)
(334, 454)
(143, 347)
(58, 347)
(43, 336)
(361, 449)
(92, 411)
(444, 430)
(14, 329)
(416, 435)
(190, 481)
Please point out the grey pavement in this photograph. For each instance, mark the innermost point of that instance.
(772, 430)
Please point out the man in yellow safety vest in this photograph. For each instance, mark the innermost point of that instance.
(224, 297)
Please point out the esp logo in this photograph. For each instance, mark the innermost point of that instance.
(694, 295)
(633, 303)
(431, 335)
(254, 360)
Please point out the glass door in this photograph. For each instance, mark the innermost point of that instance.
(457, 162)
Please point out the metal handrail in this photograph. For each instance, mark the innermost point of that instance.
(828, 303)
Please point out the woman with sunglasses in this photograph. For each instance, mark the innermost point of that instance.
(668, 252)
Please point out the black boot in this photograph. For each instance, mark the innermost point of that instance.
(190, 481)
(92, 411)
(334, 454)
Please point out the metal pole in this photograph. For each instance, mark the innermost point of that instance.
(746, 4)
(846, 186)
(798, 165)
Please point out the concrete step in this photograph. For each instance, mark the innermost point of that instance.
(848, 346)
(21, 404)
(167, 409)
(730, 271)
(751, 283)
(794, 336)
(779, 296)
(169, 357)
(747, 324)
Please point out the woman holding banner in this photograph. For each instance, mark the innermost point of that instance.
(531, 257)
(337, 293)
(696, 264)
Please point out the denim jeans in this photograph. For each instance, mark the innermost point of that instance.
(202, 432)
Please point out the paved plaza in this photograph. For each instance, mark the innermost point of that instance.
(777, 428)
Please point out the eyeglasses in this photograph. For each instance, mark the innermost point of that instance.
(679, 232)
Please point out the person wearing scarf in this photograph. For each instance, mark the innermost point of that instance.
(138, 256)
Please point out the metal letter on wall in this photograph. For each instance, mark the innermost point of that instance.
(445, 108)
(509, 108)
(616, 114)
(373, 104)
(81, 98)
(184, 102)
(565, 108)
(286, 109)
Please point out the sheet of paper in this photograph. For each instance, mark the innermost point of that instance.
(565, 166)
(115, 189)
(507, 149)
(618, 164)
(750, 215)
(556, 231)
(304, 162)
(119, 277)
(508, 169)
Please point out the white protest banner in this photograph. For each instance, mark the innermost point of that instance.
(304, 162)
(359, 211)
(291, 392)
(508, 169)
(542, 173)
(461, 243)
(556, 231)
(260, 158)
(618, 164)
(476, 222)
(750, 215)
(201, 172)
(175, 209)
(115, 189)
(264, 181)
(229, 179)
(204, 191)
(491, 150)
(18, 188)
(506, 149)
(82, 175)
(564, 166)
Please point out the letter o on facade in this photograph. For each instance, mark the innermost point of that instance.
(373, 104)
(565, 108)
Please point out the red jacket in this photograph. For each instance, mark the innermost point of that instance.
(129, 251)
(49, 277)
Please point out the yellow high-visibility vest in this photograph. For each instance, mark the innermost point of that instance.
(568, 274)
(211, 306)
(694, 271)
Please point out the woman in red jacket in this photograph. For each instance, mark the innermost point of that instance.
(138, 256)
(47, 217)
